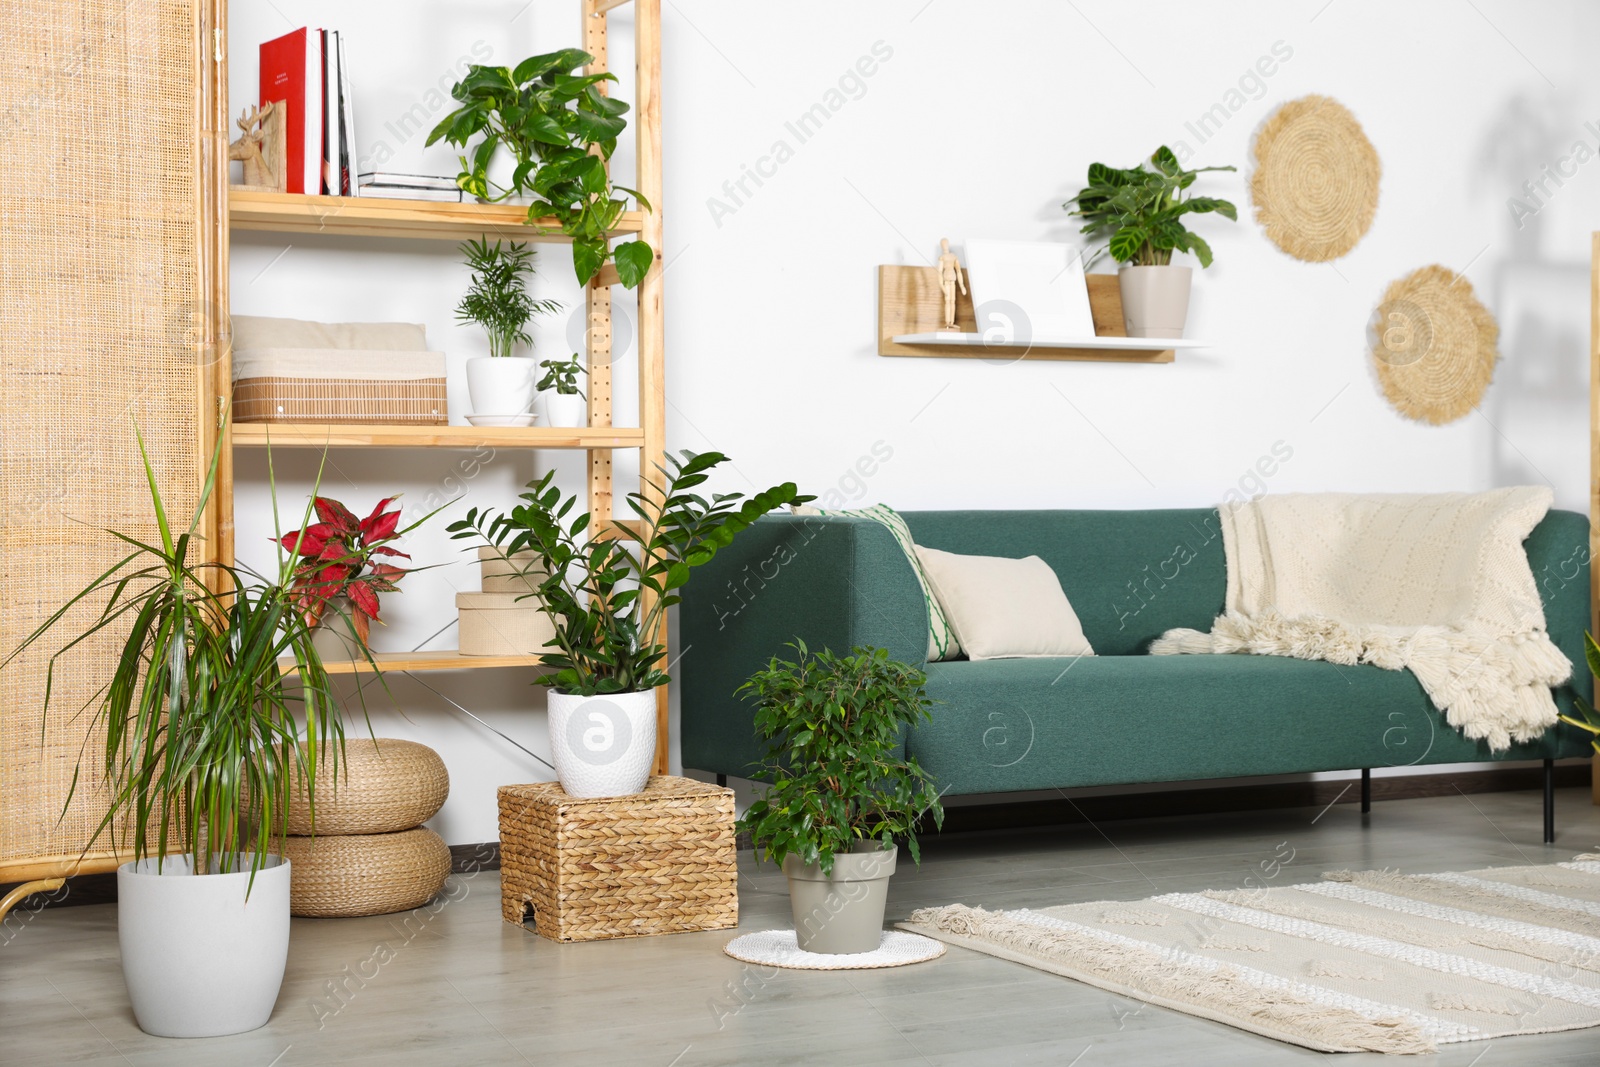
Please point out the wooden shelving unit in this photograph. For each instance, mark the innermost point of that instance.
(355, 435)
(356, 217)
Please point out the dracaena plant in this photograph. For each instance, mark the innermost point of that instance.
(341, 555)
(834, 774)
(197, 721)
(560, 130)
(1139, 211)
(498, 298)
(562, 375)
(591, 582)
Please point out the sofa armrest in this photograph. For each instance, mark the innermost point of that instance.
(832, 582)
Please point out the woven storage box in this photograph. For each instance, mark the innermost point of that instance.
(514, 574)
(288, 371)
(658, 862)
(365, 874)
(382, 785)
(501, 624)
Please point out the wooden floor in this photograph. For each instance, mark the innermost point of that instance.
(461, 987)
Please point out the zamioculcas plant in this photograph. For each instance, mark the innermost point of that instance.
(560, 130)
(1139, 211)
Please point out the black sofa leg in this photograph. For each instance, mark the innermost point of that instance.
(1549, 801)
(722, 779)
(1366, 790)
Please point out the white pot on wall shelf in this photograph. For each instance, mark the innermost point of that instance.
(501, 386)
(1155, 300)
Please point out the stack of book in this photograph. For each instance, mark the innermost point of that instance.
(408, 186)
(306, 70)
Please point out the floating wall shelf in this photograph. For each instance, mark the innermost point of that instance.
(910, 307)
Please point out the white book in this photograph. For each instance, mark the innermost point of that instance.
(407, 181)
(330, 112)
(347, 125)
(396, 192)
(312, 159)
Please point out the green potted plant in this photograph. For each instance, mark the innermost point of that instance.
(340, 573)
(838, 793)
(501, 383)
(606, 592)
(1587, 718)
(560, 131)
(563, 400)
(197, 726)
(1139, 213)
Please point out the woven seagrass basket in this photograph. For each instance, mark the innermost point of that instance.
(658, 862)
(381, 786)
(365, 874)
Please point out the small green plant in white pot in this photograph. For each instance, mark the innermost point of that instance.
(1139, 213)
(564, 402)
(201, 746)
(838, 793)
(501, 384)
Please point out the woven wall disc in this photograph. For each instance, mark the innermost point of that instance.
(1315, 188)
(1434, 345)
(381, 786)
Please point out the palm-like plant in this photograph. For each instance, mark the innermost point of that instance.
(498, 298)
(607, 636)
(198, 717)
(1139, 211)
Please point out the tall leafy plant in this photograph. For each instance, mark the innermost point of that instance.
(591, 582)
(497, 299)
(198, 717)
(560, 130)
(834, 773)
(1139, 211)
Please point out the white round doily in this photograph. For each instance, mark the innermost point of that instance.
(778, 948)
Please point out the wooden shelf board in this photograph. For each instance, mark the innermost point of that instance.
(357, 216)
(1114, 344)
(449, 660)
(358, 435)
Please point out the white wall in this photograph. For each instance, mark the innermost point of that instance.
(977, 120)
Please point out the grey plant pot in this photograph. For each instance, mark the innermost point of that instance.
(1155, 300)
(201, 960)
(842, 914)
(335, 637)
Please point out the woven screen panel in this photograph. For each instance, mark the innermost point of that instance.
(99, 321)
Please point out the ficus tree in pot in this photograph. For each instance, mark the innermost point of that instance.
(1139, 213)
(606, 588)
(560, 130)
(198, 726)
(838, 794)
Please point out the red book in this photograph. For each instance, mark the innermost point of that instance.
(291, 71)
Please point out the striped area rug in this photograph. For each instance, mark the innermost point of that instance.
(1368, 961)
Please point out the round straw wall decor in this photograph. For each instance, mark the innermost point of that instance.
(1315, 188)
(1434, 345)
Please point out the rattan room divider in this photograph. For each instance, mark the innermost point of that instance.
(111, 163)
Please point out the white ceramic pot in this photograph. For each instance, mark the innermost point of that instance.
(199, 958)
(603, 746)
(1155, 300)
(501, 386)
(565, 409)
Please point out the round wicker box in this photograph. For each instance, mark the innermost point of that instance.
(365, 874)
(381, 786)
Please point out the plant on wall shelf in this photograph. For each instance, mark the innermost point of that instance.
(498, 299)
(562, 375)
(1139, 211)
(560, 130)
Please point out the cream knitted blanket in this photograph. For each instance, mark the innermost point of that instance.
(1438, 584)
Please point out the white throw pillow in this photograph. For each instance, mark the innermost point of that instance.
(1004, 608)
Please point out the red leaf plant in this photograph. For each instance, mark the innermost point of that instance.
(339, 558)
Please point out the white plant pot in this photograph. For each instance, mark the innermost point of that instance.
(565, 409)
(1155, 300)
(501, 386)
(603, 746)
(201, 960)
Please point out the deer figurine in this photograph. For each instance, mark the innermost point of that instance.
(253, 124)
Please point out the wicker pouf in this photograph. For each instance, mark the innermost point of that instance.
(381, 786)
(658, 862)
(370, 854)
(365, 874)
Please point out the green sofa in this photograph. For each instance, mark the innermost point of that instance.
(1119, 717)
